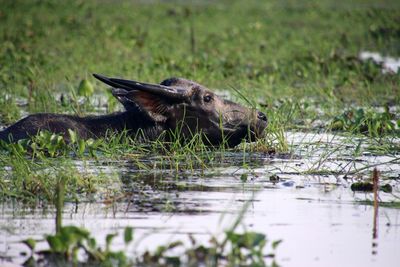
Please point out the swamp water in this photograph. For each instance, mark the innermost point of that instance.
(303, 198)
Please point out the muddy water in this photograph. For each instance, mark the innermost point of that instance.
(311, 207)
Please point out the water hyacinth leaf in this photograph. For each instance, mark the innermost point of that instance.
(362, 187)
(81, 232)
(60, 140)
(128, 235)
(172, 261)
(91, 243)
(92, 145)
(233, 237)
(81, 146)
(254, 239)
(85, 88)
(387, 188)
(109, 239)
(160, 251)
(20, 148)
(55, 244)
(276, 243)
(71, 235)
(246, 240)
(90, 142)
(72, 136)
(175, 244)
(31, 243)
(117, 258)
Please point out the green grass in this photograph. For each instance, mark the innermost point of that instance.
(269, 51)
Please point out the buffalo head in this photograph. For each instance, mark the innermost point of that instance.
(186, 108)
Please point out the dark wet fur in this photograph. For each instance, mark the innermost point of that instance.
(85, 127)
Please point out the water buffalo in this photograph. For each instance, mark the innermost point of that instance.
(176, 107)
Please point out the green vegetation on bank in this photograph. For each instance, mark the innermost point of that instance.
(304, 52)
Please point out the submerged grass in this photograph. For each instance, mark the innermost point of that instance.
(31, 168)
(385, 204)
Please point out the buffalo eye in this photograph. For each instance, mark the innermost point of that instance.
(207, 98)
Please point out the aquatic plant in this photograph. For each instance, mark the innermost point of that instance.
(76, 246)
(368, 122)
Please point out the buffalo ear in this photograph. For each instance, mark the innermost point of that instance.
(155, 107)
(121, 96)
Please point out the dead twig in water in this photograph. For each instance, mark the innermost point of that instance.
(375, 182)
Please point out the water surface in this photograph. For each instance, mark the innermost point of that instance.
(311, 207)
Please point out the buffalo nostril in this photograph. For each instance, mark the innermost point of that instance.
(261, 116)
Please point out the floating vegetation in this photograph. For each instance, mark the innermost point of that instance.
(73, 245)
(76, 246)
(368, 187)
(368, 122)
